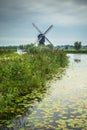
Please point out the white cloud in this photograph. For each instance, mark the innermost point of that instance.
(54, 11)
(16, 17)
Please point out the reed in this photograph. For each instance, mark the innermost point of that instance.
(25, 76)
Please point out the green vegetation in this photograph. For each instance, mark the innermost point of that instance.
(7, 50)
(77, 45)
(23, 78)
(81, 51)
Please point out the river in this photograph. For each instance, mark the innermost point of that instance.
(64, 106)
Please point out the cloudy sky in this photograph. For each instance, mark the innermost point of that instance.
(68, 17)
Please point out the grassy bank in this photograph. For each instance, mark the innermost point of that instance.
(23, 78)
(81, 51)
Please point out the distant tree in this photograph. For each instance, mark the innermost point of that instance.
(21, 47)
(66, 46)
(77, 45)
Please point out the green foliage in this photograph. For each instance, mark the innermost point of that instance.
(22, 75)
(77, 45)
(6, 50)
(82, 51)
(50, 46)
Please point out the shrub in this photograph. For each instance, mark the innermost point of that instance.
(27, 74)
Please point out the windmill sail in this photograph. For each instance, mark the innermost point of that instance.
(41, 36)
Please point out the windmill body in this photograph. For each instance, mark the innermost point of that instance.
(41, 37)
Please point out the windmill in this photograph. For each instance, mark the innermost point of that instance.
(41, 36)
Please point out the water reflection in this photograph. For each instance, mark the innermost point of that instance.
(77, 58)
(81, 59)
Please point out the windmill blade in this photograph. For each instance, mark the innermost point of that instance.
(38, 40)
(48, 29)
(48, 40)
(36, 28)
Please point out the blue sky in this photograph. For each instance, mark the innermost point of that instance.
(68, 17)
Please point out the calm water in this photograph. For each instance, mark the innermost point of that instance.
(64, 107)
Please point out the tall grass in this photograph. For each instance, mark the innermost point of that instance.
(22, 75)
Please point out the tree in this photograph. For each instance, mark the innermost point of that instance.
(77, 45)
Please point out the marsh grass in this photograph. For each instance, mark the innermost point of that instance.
(23, 78)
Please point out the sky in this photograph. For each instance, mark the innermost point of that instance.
(68, 17)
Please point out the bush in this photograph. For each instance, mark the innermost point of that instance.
(27, 74)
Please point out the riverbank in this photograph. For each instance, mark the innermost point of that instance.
(81, 51)
(23, 79)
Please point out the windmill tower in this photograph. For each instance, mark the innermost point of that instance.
(41, 37)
